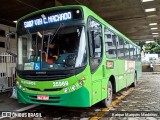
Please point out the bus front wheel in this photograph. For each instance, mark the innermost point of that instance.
(108, 100)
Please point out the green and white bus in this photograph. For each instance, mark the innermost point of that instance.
(69, 56)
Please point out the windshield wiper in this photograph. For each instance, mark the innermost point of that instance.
(29, 34)
(59, 27)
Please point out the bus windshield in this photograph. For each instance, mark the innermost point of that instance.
(52, 49)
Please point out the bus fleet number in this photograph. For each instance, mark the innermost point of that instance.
(63, 83)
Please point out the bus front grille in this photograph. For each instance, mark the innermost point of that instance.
(47, 89)
(44, 77)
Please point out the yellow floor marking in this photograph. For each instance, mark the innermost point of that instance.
(116, 101)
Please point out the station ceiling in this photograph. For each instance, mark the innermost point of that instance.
(128, 16)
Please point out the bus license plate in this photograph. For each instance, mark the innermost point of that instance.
(42, 97)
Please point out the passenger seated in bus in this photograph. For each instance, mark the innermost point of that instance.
(52, 53)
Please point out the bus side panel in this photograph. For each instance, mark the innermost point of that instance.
(97, 77)
(118, 72)
(96, 87)
(104, 87)
(122, 81)
(113, 71)
(130, 78)
(130, 71)
(138, 69)
(107, 75)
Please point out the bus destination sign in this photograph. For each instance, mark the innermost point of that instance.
(48, 19)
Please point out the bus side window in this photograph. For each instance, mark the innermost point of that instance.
(131, 49)
(135, 55)
(120, 48)
(95, 43)
(138, 54)
(126, 50)
(110, 43)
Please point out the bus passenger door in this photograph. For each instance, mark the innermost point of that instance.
(96, 67)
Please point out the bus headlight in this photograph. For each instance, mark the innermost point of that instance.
(20, 86)
(74, 87)
(17, 82)
(83, 78)
(23, 89)
(81, 82)
(66, 90)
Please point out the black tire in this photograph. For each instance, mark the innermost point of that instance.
(134, 84)
(107, 101)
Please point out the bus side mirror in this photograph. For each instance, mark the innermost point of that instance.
(8, 44)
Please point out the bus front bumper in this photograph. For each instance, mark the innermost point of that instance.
(78, 98)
